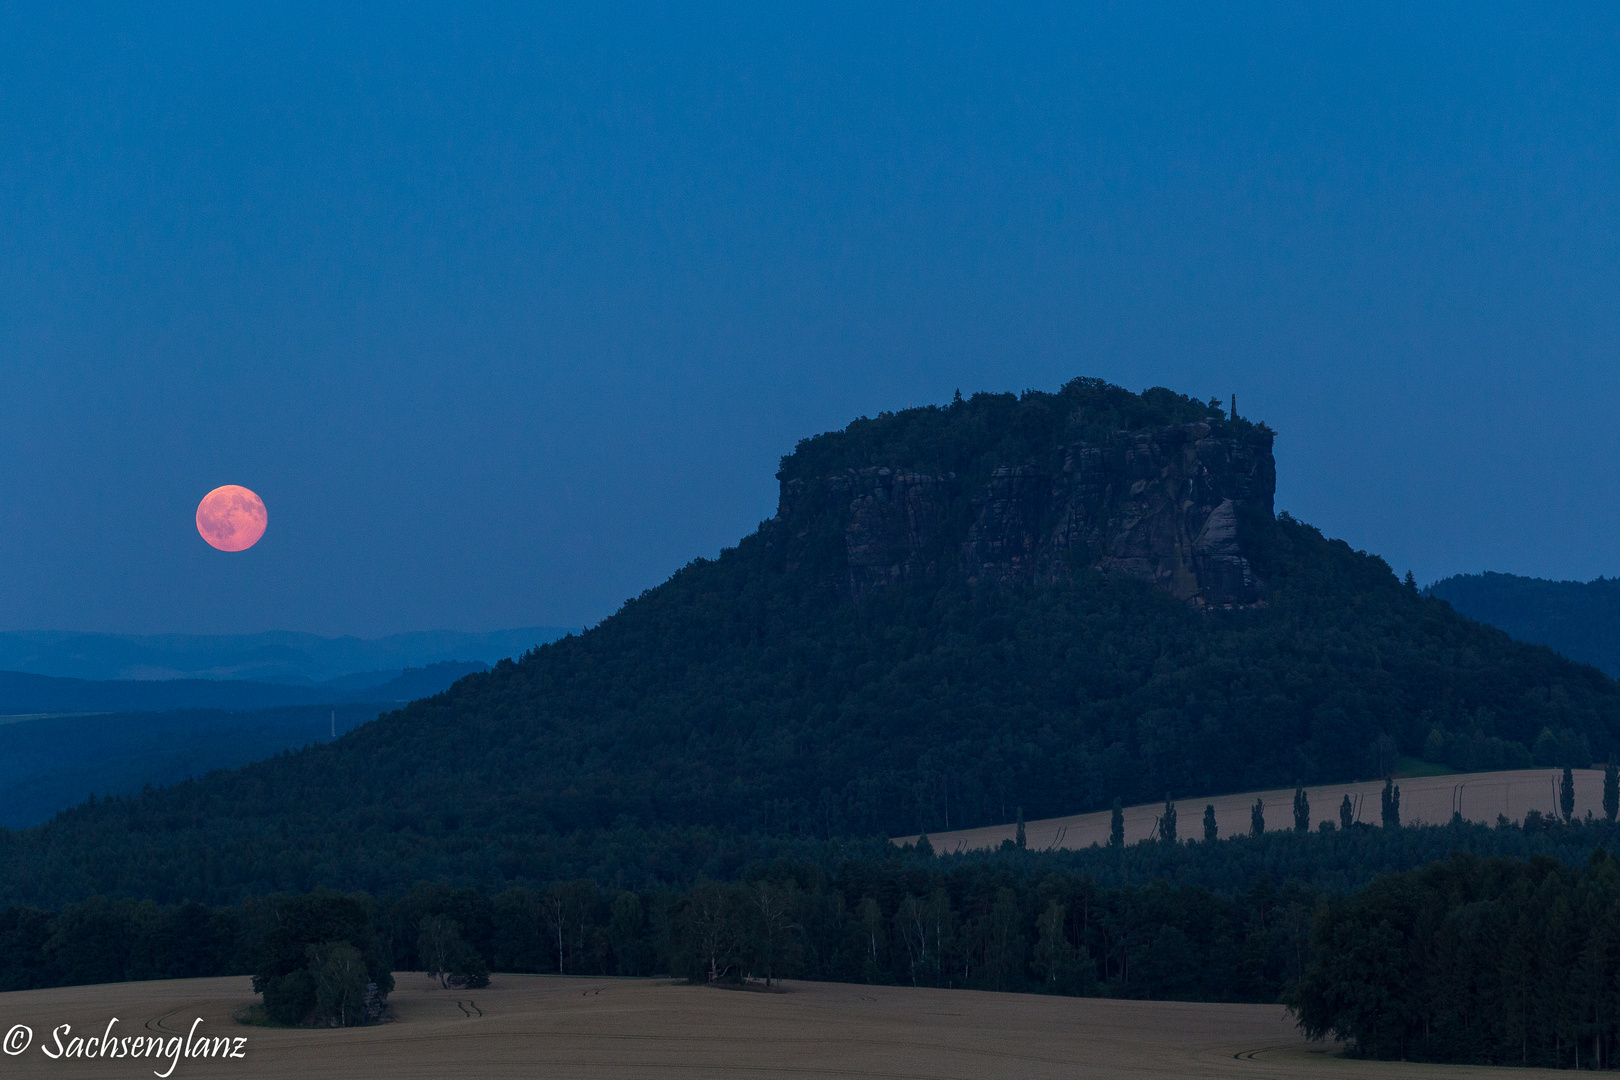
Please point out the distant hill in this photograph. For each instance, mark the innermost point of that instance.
(1580, 619)
(276, 657)
(51, 764)
(22, 693)
(1045, 601)
(119, 737)
(413, 683)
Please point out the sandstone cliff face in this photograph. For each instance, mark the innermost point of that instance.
(1162, 505)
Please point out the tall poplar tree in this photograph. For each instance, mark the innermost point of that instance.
(1022, 841)
(1566, 794)
(1392, 804)
(1167, 824)
(1116, 827)
(1210, 832)
(1302, 811)
(1611, 790)
(1347, 812)
(1257, 818)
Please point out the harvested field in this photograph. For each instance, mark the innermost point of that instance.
(1424, 799)
(608, 1029)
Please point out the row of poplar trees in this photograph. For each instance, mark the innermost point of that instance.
(1390, 810)
(1166, 829)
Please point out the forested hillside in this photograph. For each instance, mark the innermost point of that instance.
(1579, 619)
(1047, 601)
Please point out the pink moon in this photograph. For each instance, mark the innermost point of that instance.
(231, 518)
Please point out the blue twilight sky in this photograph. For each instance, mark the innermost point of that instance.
(507, 314)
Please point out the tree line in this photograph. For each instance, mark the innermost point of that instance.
(1483, 961)
(1230, 920)
(325, 957)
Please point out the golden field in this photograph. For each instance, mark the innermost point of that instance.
(1424, 799)
(627, 1029)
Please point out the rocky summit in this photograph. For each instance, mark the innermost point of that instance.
(1166, 505)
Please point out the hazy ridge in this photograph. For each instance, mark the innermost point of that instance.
(279, 656)
(1580, 619)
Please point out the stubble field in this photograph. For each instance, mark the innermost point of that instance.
(624, 1029)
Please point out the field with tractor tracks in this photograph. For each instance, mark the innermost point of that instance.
(619, 1029)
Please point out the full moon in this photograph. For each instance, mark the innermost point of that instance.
(231, 518)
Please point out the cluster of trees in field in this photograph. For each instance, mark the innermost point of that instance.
(316, 957)
(1485, 961)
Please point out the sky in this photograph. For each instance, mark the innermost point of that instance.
(509, 313)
